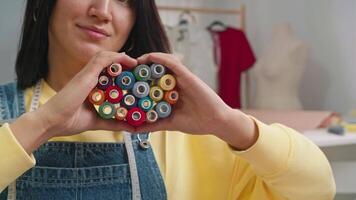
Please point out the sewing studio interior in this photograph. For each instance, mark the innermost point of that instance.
(179, 100)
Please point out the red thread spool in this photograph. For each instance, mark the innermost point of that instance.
(114, 94)
(136, 117)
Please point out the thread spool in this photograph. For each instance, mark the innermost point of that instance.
(121, 113)
(106, 110)
(145, 104)
(151, 116)
(129, 101)
(114, 69)
(142, 72)
(171, 97)
(163, 109)
(141, 89)
(136, 117)
(125, 80)
(114, 94)
(96, 97)
(156, 93)
(104, 81)
(167, 82)
(157, 71)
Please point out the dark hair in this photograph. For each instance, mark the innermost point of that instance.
(147, 35)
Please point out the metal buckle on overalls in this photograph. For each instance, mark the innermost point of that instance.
(144, 143)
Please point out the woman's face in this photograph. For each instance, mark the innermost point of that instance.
(80, 28)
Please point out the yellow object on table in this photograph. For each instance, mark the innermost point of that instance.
(350, 127)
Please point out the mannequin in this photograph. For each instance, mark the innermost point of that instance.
(279, 71)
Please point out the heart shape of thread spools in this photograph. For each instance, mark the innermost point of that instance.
(145, 94)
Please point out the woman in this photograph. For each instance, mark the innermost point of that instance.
(224, 154)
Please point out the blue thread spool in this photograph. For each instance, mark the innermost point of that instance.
(142, 72)
(151, 116)
(145, 104)
(141, 89)
(163, 109)
(157, 71)
(125, 80)
(129, 101)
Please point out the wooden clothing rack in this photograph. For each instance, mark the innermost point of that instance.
(240, 12)
(241, 19)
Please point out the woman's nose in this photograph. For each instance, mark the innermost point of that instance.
(100, 9)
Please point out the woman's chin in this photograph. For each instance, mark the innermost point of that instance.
(86, 52)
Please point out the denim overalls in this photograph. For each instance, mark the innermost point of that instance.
(75, 170)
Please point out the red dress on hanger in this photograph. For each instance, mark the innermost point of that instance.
(233, 55)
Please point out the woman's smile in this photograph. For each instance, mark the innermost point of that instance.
(94, 32)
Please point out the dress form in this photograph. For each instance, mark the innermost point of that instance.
(279, 71)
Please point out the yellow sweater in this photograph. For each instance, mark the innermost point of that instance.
(282, 164)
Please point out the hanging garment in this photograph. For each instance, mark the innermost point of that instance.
(194, 46)
(234, 55)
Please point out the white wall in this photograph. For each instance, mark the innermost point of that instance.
(10, 19)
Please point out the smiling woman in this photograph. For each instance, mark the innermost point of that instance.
(79, 29)
(53, 144)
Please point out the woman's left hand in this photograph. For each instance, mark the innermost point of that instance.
(199, 109)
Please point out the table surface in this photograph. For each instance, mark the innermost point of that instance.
(324, 139)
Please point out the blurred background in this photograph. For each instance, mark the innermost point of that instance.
(292, 62)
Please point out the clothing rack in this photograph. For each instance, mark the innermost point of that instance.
(241, 18)
(240, 12)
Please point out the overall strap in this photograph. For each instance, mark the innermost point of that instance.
(12, 102)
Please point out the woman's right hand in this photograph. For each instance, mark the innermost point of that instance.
(69, 112)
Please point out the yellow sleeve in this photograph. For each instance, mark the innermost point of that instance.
(14, 160)
(289, 164)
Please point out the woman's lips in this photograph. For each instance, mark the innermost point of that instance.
(94, 32)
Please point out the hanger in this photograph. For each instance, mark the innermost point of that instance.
(187, 13)
(217, 26)
(183, 23)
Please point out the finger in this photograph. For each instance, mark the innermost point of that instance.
(104, 59)
(87, 78)
(167, 60)
(106, 124)
(102, 124)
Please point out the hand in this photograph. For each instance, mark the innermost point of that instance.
(199, 109)
(69, 112)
